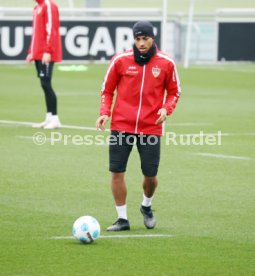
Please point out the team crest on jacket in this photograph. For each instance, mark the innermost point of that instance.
(156, 71)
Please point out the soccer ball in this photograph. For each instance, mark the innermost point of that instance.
(86, 229)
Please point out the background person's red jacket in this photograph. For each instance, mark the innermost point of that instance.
(140, 92)
(46, 35)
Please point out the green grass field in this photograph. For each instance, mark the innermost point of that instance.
(205, 198)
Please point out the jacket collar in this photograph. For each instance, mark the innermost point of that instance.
(143, 59)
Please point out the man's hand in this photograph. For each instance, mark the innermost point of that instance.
(101, 121)
(29, 58)
(46, 58)
(162, 116)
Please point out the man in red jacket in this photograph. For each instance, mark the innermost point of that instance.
(141, 77)
(46, 49)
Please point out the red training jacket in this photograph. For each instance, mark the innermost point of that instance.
(140, 92)
(46, 35)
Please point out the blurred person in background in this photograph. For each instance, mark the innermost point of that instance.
(46, 49)
(141, 77)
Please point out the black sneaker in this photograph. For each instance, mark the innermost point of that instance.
(120, 225)
(149, 220)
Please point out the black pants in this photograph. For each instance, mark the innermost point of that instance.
(44, 72)
(148, 147)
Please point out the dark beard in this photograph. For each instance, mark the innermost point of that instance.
(142, 59)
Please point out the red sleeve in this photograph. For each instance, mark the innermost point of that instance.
(29, 49)
(109, 85)
(173, 89)
(52, 26)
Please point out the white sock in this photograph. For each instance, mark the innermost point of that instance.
(122, 211)
(146, 201)
(48, 116)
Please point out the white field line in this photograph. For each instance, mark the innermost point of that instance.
(8, 122)
(189, 124)
(81, 127)
(120, 236)
(217, 134)
(222, 156)
(31, 138)
(18, 123)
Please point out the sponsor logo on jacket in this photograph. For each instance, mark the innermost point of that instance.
(132, 70)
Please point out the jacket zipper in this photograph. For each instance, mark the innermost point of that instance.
(140, 102)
